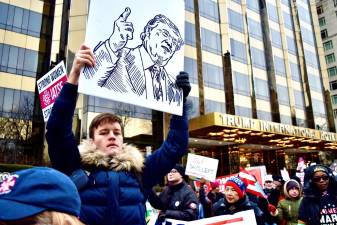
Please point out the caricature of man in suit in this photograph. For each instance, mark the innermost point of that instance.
(140, 70)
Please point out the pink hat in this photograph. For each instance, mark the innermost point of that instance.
(215, 184)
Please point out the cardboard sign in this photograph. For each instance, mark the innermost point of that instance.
(285, 174)
(139, 51)
(49, 87)
(241, 218)
(200, 166)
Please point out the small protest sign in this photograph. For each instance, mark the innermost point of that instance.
(49, 87)
(200, 166)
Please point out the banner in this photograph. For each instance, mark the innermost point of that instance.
(49, 87)
(241, 218)
(201, 167)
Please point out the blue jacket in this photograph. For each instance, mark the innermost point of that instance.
(118, 186)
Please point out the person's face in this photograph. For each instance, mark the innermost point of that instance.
(294, 192)
(161, 43)
(321, 180)
(108, 138)
(268, 184)
(174, 176)
(231, 195)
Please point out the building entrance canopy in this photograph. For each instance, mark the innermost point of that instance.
(238, 130)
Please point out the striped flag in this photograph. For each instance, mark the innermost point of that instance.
(253, 187)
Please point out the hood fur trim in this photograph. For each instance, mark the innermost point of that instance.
(130, 159)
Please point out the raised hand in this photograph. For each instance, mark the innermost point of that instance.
(84, 56)
(122, 31)
(183, 82)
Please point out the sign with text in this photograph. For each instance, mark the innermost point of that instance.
(200, 166)
(241, 218)
(49, 87)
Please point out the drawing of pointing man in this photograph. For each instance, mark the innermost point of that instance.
(140, 70)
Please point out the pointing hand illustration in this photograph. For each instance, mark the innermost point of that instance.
(122, 31)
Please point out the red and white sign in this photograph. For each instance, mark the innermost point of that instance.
(241, 218)
(49, 87)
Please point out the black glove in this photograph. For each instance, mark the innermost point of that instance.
(162, 216)
(183, 83)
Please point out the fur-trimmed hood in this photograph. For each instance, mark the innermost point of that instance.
(130, 159)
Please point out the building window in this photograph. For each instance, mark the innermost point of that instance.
(258, 58)
(288, 21)
(209, 9)
(282, 94)
(322, 21)
(303, 13)
(189, 5)
(334, 99)
(324, 33)
(237, 1)
(213, 106)
(311, 58)
(333, 85)
(332, 71)
(299, 99)
(253, 5)
(334, 3)
(261, 89)
(190, 66)
(295, 72)
(320, 10)
(335, 113)
(330, 58)
(262, 115)
(210, 41)
(272, 12)
(276, 38)
(19, 61)
(235, 20)
(286, 2)
(307, 35)
(241, 84)
(189, 33)
(238, 51)
(279, 66)
(254, 29)
(315, 82)
(318, 108)
(213, 76)
(243, 111)
(328, 45)
(291, 44)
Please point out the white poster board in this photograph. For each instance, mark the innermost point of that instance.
(49, 87)
(241, 218)
(201, 166)
(139, 50)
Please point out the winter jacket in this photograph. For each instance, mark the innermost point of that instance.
(287, 209)
(208, 201)
(118, 186)
(177, 202)
(310, 206)
(222, 207)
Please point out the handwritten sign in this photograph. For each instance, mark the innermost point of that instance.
(200, 166)
(49, 87)
(241, 218)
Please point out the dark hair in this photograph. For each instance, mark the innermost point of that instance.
(101, 119)
(162, 19)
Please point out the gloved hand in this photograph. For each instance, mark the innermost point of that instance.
(161, 216)
(272, 209)
(183, 83)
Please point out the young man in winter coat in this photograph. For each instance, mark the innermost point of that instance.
(318, 206)
(113, 178)
(177, 201)
(287, 209)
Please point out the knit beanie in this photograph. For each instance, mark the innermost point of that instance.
(237, 184)
(292, 184)
(180, 169)
(215, 184)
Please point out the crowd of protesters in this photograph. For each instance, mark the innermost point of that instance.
(106, 182)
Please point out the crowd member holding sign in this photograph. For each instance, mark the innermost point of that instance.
(113, 179)
(207, 200)
(178, 200)
(319, 204)
(235, 200)
(39, 195)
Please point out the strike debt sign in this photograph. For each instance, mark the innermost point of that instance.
(200, 166)
(49, 87)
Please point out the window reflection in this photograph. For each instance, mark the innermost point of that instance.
(213, 76)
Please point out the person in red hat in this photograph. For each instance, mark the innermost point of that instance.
(212, 197)
(235, 199)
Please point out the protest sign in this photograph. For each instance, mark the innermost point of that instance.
(201, 167)
(285, 174)
(49, 87)
(139, 50)
(241, 218)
